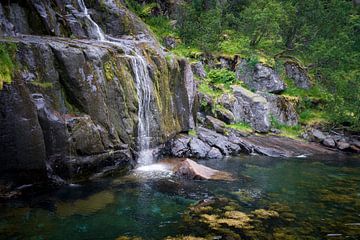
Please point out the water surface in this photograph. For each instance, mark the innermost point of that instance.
(321, 198)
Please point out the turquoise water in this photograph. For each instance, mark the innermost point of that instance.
(316, 198)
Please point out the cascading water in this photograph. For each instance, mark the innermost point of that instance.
(143, 85)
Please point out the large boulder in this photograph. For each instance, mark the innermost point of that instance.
(282, 109)
(298, 75)
(251, 108)
(257, 109)
(215, 124)
(259, 77)
(194, 171)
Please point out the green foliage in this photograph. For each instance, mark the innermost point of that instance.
(221, 76)
(324, 34)
(6, 64)
(262, 19)
(200, 28)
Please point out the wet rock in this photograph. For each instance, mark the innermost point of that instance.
(355, 149)
(259, 77)
(198, 69)
(192, 170)
(79, 113)
(298, 75)
(215, 124)
(86, 206)
(329, 142)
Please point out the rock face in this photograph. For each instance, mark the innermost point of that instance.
(255, 108)
(298, 75)
(72, 108)
(192, 170)
(259, 77)
(209, 144)
(198, 69)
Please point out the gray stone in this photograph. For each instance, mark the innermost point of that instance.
(170, 42)
(198, 148)
(281, 109)
(298, 75)
(198, 69)
(259, 77)
(329, 142)
(251, 108)
(343, 145)
(215, 124)
(318, 135)
(214, 153)
(219, 141)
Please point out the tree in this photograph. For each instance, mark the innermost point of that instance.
(262, 19)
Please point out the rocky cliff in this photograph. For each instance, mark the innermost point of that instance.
(78, 94)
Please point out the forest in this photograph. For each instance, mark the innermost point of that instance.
(323, 36)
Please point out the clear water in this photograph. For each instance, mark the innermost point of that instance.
(323, 196)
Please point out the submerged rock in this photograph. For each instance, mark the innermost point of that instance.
(192, 170)
(86, 206)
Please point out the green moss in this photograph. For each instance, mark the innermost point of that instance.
(108, 68)
(192, 132)
(44, 85)
(241, 126)
(7, 66)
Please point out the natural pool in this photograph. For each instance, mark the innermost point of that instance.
(299, 198)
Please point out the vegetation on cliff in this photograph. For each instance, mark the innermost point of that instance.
(321, 36)
(6, 63)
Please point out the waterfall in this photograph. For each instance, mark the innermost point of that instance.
(143, 83)
(98, 33)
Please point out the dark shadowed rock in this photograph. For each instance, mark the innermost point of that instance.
(192, 170)
(259, 77)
